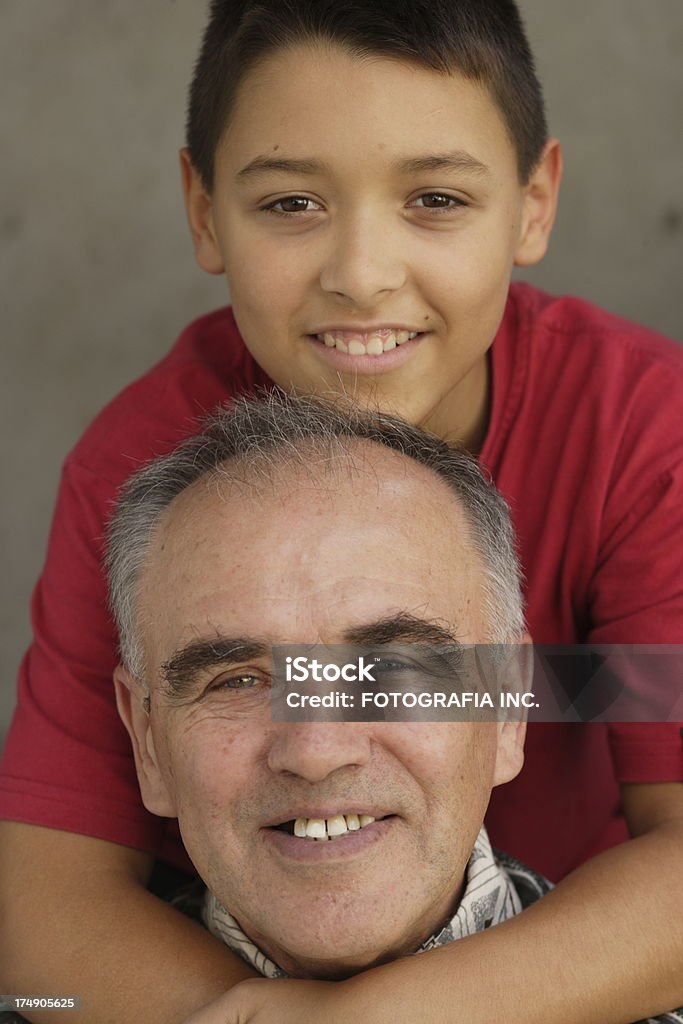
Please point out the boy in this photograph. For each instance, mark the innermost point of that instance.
(366, 177)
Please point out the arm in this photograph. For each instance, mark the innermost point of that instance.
(76, 919)
(605, 947)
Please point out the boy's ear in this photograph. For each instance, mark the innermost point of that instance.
(133, 707)
(199, 208)
(517, 674)
(540, 206)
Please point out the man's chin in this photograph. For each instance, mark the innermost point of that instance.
(336, 935)
(333, 963)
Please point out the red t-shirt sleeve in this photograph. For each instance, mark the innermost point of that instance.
(67, 761)
(647, 753)
(637, 597)
(586, 442)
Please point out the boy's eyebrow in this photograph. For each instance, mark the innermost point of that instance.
(266, 164)
(456, 160)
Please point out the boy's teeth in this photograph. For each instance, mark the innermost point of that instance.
(374, 345)
(322, 829)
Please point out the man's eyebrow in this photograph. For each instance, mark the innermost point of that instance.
(180, 671)
(402, 628)
(457, 160)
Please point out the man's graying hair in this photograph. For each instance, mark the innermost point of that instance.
(252, 438)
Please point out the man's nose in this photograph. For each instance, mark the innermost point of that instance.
(364, 262)
(315, 750)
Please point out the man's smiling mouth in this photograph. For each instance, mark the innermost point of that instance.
(325, 829)
(370, 343)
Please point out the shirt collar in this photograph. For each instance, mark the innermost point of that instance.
(489, 897)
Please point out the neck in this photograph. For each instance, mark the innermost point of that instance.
(341, 965)
(464, 420)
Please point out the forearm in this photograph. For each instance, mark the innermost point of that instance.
(102, 936)
(605, 947)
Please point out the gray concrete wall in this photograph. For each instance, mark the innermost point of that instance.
(96, 270)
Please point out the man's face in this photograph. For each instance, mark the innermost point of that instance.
(358, 201)
(233, 571)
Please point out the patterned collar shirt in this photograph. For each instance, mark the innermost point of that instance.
(497, 887)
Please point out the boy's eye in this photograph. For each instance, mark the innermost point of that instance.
(437, 201)
(291, 205)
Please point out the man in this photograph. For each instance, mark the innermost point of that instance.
(228, 547)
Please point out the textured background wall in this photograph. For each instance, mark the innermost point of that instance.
(96, 270)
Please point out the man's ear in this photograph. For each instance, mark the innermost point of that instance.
(540, 206)
(516, 674)
(510, 753)
(133, 706)
(199, 208)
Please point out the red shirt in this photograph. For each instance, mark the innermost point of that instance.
(585, 441)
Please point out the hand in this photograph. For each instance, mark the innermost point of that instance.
(384, 995)
(262, 1001)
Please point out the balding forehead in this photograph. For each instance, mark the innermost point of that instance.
(256, 517)
(362, 467)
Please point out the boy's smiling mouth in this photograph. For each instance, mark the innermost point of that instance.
(366, 349)
(366, 343)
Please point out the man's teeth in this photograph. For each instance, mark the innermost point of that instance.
(373, 345)
(323, 829)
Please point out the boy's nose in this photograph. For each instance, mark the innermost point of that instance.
(363, 263)
(314, 750)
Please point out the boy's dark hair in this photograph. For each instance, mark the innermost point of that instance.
(484, 40)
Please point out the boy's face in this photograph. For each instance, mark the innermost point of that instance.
(358, 202)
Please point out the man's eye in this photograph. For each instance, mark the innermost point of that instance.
(435, 666)
(391, 665)
(291, 205)
(390, 674)
(437, 201)
(244, 681)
